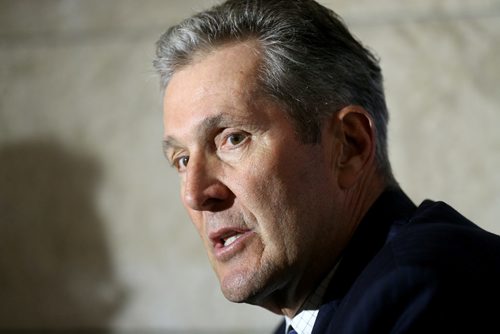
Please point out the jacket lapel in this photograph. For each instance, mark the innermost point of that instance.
(390, 210)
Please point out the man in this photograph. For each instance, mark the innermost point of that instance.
(275, 119)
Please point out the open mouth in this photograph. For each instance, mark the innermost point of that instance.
(228, 242)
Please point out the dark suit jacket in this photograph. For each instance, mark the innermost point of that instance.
(414, 270)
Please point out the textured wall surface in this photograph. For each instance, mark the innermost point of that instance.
(92, 233)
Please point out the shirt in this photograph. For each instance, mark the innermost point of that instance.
(303, 322)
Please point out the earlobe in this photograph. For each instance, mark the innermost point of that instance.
(356, 134)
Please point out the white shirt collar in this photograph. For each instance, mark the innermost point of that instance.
(303, 323)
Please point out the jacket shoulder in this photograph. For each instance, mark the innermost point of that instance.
(439, 237)
(437, 272)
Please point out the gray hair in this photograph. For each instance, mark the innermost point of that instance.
(311, 64)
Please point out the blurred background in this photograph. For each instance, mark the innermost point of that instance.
(92, 233)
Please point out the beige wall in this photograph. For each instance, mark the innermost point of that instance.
(91, 229)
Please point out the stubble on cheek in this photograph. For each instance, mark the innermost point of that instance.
(254, 285)
(244, 276)
(265, 264)
(278, 253)
(256, 272)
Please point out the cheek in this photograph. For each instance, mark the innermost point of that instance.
(263, 195)
(288, 191)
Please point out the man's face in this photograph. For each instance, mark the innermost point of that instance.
(260, 199)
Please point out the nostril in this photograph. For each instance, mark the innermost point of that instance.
(218, 204)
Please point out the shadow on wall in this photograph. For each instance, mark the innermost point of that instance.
(55, 266)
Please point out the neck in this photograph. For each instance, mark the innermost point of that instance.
(289, 299)
(359, 199)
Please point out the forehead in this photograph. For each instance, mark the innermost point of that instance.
(223, 80)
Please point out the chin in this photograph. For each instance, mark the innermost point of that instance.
(238, 287)
(266, 297)
(256, 288)
(243, 296)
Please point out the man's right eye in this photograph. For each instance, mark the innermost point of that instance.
(181, 162)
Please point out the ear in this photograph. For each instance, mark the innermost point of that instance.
(356, 137)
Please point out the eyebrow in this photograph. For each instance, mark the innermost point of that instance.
(169, 143)
(202, 131)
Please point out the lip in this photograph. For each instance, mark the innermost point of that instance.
(224, 253)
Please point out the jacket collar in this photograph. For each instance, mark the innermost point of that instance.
(391, 207)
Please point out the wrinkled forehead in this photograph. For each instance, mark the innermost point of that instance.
(222, 80)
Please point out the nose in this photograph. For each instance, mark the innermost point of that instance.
(203, 189)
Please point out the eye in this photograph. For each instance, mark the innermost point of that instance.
(231, 139)
(236, 138)
(181, 162)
